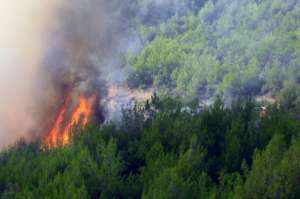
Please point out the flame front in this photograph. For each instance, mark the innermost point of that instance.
(60, 133)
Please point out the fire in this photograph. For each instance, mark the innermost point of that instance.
(61, 131)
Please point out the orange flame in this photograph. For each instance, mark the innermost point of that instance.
(60, 134)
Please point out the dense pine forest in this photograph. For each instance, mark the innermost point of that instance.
(239, 47)
(163, 149)
(204, 133)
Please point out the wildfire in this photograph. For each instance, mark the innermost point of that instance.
(60, 133)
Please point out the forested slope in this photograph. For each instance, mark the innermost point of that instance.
(190, 52)
(163, 149)
(247, 47)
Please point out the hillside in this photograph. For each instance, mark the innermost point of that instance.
(154, 99)
(234, 48)
(163, 149)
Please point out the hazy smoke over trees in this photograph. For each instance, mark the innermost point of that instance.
(23, 27)
(50, 47)
(193, 48)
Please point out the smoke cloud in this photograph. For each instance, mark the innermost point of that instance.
(23, 26)
(50, 49)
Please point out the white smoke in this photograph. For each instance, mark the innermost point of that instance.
(23, 26)
(46, 46)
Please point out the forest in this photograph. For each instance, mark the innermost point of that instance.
(233, 48)
(164, 149)
(203, 134)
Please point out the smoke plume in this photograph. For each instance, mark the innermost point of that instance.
(52, 48)
(49, 49)
(23, 27)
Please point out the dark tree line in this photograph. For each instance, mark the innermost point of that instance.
(164, 149)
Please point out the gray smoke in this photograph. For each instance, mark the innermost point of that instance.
(49, 49)
(23, 25)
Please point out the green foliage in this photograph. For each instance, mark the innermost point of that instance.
(235, 48)
(163, 149)
(159, 59)
(167, 149)
(275, 172)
